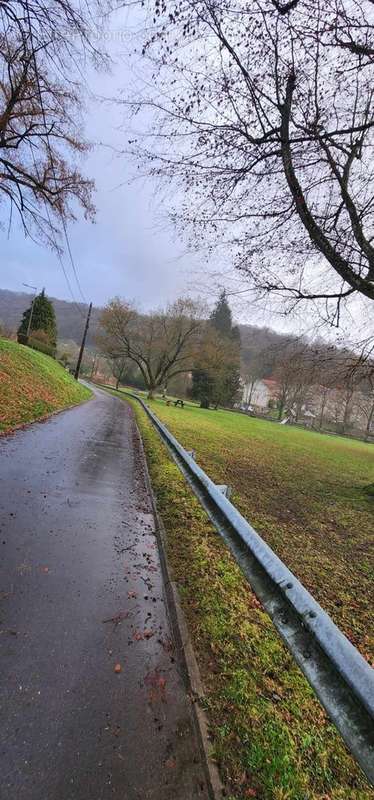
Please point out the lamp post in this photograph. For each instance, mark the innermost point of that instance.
(32, 307)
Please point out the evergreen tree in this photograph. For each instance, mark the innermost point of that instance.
(202, 387)
(43, 318)
(220, 317)
(216, 377)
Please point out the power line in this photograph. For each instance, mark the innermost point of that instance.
(59, 257)
(69, 285)
(72, 262)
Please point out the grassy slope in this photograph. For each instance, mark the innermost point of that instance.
(32, 385)
(303, 492)
(269, 734)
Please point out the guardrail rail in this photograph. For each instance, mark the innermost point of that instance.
(341, 678)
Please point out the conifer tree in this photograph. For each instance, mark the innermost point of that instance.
(221, 317)
(216, 376)
(43, 318)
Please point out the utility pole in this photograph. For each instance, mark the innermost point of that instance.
(77, 368)
(31, 309)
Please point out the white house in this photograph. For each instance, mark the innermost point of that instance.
(258, 394)
(337, 408)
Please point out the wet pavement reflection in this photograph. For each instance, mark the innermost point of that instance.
(93, 705)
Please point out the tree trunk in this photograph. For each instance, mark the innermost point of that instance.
(347, 414)
(117, 383)
(204, 402)
(368, 427)
(249, 399)
(151, 392)
(322, 413)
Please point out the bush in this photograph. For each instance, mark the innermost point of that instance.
(64, 358)
(42, 347)
(41, 336)
(5, 331)
(39, 340)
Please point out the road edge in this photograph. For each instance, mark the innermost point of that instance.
(24, 425)
(186, 653)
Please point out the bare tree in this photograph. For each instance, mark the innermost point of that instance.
(366, 407)
(359, 380)
(42, 46)
(296, 376)
(119, 365)
(162, 344)
(264, 114)
(255, 365)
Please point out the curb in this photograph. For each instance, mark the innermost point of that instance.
(186, 654)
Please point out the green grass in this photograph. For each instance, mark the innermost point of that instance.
(32, 385)
(269, 735)
(305, 493)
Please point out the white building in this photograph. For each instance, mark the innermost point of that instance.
(338, 409)
(258, 394)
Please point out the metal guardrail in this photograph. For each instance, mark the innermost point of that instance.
(341, 678)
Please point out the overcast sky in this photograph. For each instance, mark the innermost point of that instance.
(131, 250)
(123, 253)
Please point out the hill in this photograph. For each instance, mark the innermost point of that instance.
(33, 385)
(255, 340)
(70, 322)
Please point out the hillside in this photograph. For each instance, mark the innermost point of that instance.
(33, 385)
(255, 340)
(70, 322)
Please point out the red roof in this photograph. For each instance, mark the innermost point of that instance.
(271, 383)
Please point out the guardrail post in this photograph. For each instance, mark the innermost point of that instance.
(226, 490)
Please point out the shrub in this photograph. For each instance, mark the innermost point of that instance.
(42, 347)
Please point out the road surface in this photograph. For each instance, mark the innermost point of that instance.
(81, 596)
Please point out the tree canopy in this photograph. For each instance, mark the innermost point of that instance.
(43, 318)
(42, 45)
(263, 112)
(216, 373)
(162, 344)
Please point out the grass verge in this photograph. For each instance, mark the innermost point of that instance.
(33, 385)
(305, 493)
(270, 737)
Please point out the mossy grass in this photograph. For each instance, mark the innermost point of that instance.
(33, 385)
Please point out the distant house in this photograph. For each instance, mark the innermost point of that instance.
(338, 408)
(260, 394)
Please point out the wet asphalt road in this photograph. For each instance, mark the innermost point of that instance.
(81, 591)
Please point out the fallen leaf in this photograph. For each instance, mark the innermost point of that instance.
(156, 685)
(118, 617)
(118, 668)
